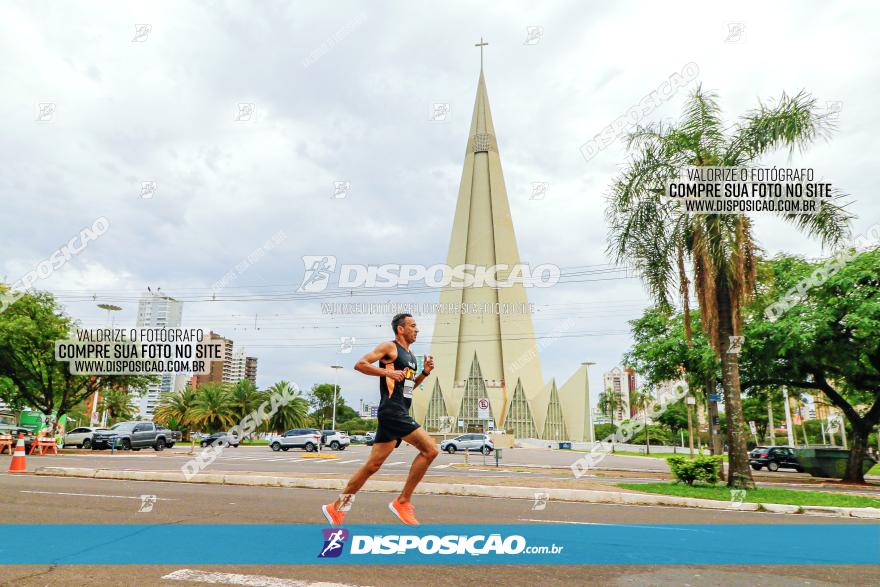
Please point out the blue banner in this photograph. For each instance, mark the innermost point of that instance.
(549, 544)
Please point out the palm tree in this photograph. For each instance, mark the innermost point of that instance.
(213, 408)
(641, 401)
(245, 398)
(609, 402)
(658, 239)
(293, 414)
(118, 403)
(174, 409)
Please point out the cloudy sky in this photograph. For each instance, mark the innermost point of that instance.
(344, 92)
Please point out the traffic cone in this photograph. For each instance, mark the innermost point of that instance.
(18, 465)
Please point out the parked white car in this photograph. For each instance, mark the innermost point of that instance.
(306, 438)
(335, 439)
(80, 437)
(480, 442)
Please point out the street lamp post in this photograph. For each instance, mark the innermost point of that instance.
(111, 309)
(336, 369)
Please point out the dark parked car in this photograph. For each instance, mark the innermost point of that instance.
(221, 439)
(774, 458)
(135, 436)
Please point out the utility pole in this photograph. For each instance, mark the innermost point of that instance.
(788, 417)
(771, 428)
(336, 369)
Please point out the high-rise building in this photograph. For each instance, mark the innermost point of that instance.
(617, 381)
(250, 369)
(242, 367)
(236, 367)
(489, 355)
(224, 370)
(157, 310)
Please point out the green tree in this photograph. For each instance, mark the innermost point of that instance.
(213, 409)
(658, 238)
(174, 409)
(609, 402)
(827, 342)
(321, 401)
(674, 418)
(29, 374)
(642, 400)
(118, 403)
(245, 398)
(293, 414)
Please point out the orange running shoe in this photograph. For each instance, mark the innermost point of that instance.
(333, 515)
(404, 512)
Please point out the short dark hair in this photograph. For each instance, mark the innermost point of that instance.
(398, 321)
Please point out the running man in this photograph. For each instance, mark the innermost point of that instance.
(397, 379)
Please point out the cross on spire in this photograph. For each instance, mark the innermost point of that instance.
(481, 44)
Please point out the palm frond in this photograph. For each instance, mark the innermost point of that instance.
(791, 121)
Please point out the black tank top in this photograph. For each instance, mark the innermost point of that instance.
(394, 395)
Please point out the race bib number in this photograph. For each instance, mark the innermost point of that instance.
(408, 385)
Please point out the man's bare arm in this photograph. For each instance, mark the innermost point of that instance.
(365, 364)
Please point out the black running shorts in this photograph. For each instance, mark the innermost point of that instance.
(394, 426)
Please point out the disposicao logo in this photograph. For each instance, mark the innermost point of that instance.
(334, 541)
(472, 545)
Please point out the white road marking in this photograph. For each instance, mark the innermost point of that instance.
(446, 466)
(95, 495)
(351, 461)
(238, 579)
(397, 463)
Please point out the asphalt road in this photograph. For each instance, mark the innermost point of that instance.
(54, 500)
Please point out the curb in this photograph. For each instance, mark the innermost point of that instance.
(509, 492)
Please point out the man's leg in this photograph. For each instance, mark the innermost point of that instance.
(428, 451)
(378, 454)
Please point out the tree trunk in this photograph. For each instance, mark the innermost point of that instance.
(739, 471)
(714, 432)
(856, 455)
(770, 426)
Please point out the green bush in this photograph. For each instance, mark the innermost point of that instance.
(603, 431)
(703, 469)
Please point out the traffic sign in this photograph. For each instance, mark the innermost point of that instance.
(482, 408)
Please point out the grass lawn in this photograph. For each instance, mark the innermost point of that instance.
(762, 495)
(875, 470)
